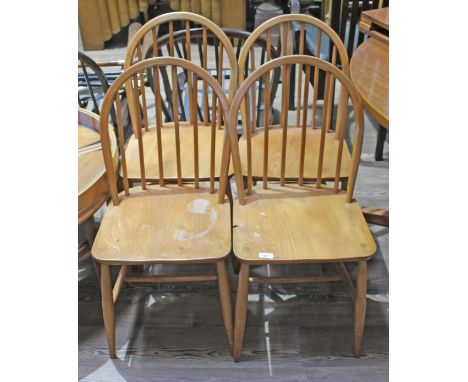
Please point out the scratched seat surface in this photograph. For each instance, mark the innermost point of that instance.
(166, 225)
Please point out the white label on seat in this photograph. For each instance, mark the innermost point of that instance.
(265, 255)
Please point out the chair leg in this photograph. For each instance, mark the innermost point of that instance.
(241, 310)
(108, 308)
(381, 136)
(225, 300)
(360, 307)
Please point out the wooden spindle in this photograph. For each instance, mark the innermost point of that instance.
(329, 104)
(316, 81)
(195, 131)
(158, 109)
(304, 125)
(323, 132)
(213, 140)
(189, 78)
(249, 141)
(141, 75)
(340, 132)
(175, 102)
(284, 118)
(205, 85)
(123, 161)
(137, 115)
(254, 95)
(266, 114)
(299, 77)
(220, 82)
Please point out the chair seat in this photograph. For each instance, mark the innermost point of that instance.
(164, 225)
(300, 224)
(293, 153)
(186, 134)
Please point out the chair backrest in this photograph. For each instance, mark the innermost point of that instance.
(288, 26)
(347, 90)
(148, 35)
(129, 80)
(345, 20)
(215, 67)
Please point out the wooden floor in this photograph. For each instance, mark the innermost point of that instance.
(294, 333)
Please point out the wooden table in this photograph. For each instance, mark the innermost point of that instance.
(93, 190)
(369, 73)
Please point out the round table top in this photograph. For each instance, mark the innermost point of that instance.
(369, 73)
(92, 185)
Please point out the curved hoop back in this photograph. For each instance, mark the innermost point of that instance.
(347, 90)
(148, 34)
(129, 80)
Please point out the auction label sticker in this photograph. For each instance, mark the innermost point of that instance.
(266, 255)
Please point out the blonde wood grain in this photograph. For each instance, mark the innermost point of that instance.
(321, 26)
(284, 119)
(241, 310)
(167, 224)
(225, 301)
(370, 74)
(93, 188)
(293, 155)
(108, 308)
(360, 307)
(300, 224)
(304, 127)
(195, 153)
(316, 82)
(299, 78)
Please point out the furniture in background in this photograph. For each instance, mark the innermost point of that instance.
(99, 20)
(224, 13)
(175, 98)
(294, 222)
(93, 190)
(161, 223)
(369, 71)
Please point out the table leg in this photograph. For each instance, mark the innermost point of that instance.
(89, 226)
(381, 136)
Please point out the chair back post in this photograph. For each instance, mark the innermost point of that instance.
(347, 91)
(129, 80)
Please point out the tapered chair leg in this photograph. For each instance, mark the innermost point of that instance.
(241, 310)
(108, 308)
(225, 300)
(379, 147)
(360, 307)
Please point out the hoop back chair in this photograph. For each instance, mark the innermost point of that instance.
(316, 79)
(93, 84)
(294, 222)
(162, 223)
(147, 37)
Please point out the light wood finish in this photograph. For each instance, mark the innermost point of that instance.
(346, 86)
(241, 310)
(300, 224)
(225, 301)
(296, 222)
(164, 225)
(293, 154)
(170, 17)
(360, 307)
(108, 308)
(378, 17)
(93, 190)
(187, 134)
(285, 23)
(154, 224)
(369, 73)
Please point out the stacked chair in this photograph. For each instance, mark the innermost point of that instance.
(177, 207)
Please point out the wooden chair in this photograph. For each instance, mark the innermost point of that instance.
(162, 223)
(259, 129)
(92, 86)
(147, 37)
(294, 222)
